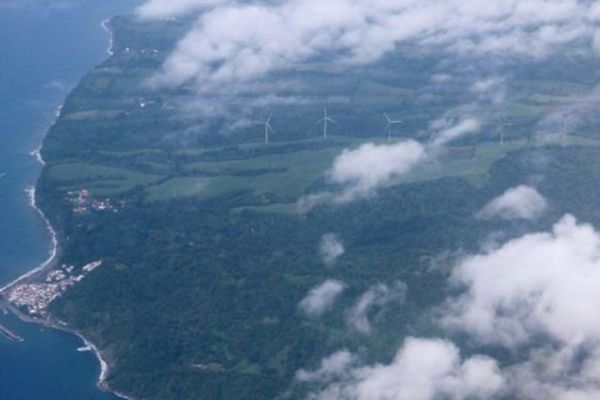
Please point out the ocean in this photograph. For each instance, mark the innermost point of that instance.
(45, 46)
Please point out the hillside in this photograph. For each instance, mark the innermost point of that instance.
(205, 252)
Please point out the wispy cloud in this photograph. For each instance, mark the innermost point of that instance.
(334, 366)
(358, 173)
(540, 283)
(330, 248)
(369, 166)
(491, 89)
(521, 202)
(448, 131)
(535, 295)
(378, 295)
(156, 9)
(361, 171)
(354, 32)
(321, 298)
(423, 369)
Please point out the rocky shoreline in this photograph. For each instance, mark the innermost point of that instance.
(49, 266)
(37, 274)
(49, 322)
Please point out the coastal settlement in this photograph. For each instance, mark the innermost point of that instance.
(33, 296)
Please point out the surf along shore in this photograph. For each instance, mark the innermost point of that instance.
(51, 263)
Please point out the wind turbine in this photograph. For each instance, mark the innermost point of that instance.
(565, 128)
(325, 120)
(389, 124)
(500, 130)
(268, 128)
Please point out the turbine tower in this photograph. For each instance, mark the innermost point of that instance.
(565, 127)
(268, 128)
(500, 131)
(389, 124)
(325, 120)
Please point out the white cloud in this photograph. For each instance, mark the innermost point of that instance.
(446, 134)
(334, 366)
(538, 284)
(521, 202)
(538, 295)
(370, 166)
(361, 171)
(321, 298)
(154, 9)
(354, 32)
(376, 296)
(563, 374)
(485, 85)
(423, 369)
(490, 89)
(331, 248)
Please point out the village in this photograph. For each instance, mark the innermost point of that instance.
(83, 202)
(34, 297)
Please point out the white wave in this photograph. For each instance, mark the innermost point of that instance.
(89, 346)
(84, 349)
(53, 237)
(38, 155)
(58, 111)
(106, 26)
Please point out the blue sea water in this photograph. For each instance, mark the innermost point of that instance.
(45, 47)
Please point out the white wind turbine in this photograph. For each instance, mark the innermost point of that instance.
(389, 124)
(325, 120)
(500, 131)
(565, 126)
(268, 128)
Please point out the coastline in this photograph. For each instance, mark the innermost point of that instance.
(53, 257)
(53, 254)
(104, 368)
(50, 323)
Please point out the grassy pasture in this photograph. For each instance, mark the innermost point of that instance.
(101, 180)
(288, 176)
(275, 179)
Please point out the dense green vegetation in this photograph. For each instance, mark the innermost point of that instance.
(205, 258)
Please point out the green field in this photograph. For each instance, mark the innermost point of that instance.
(280, 178)
(100, 180)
